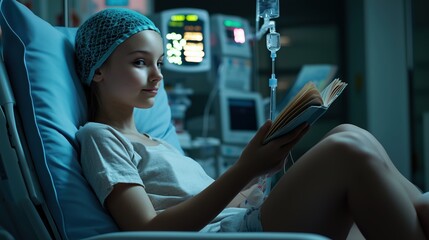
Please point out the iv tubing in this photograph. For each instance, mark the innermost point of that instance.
(273, 85)
(264, 28)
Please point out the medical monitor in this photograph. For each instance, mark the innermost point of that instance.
(230, 35)
(239, 114)
(186, 38)
(231, 52)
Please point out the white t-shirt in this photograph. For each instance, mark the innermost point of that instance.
(108, 158)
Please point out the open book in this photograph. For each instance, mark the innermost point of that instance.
(308, 105)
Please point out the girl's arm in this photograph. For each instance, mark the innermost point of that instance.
(132, 209)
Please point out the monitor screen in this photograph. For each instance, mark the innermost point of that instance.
(239, 114)
(242, 114)
(234, 32)
(185, 39)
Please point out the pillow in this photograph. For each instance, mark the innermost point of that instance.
(39, 59)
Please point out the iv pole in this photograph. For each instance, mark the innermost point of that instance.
(270, 9)
(66, 13)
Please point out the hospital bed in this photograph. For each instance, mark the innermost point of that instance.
(43, 194)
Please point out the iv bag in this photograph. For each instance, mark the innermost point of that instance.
(268, 9)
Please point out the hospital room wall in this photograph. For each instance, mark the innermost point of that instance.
(79, 10)
(420, 90)
(387, 64)
(378, 69)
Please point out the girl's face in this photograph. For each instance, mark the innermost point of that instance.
(131, 75)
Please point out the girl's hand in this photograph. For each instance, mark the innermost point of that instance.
(258, 158)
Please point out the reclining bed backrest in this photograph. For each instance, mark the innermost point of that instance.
(39, 60)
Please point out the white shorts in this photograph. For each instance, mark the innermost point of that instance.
(236, 220)
(251, 221)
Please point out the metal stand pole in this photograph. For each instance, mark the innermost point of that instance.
(66, 13)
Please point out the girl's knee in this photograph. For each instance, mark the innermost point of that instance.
(353, 147)
(346, 127)
(349, 142)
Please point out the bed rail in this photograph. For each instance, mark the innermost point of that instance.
(23, 211)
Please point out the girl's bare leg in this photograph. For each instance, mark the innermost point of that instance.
(340, 180)
(420, 201)
(410, 188)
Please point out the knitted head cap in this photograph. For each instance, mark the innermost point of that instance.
(99, 36)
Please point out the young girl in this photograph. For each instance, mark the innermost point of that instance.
(146, 184)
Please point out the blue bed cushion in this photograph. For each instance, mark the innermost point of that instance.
(39, 59)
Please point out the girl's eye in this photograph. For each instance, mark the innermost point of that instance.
(139, 62)
(160, 64)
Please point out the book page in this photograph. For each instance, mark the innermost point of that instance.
(308, 96)
(332, 91)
